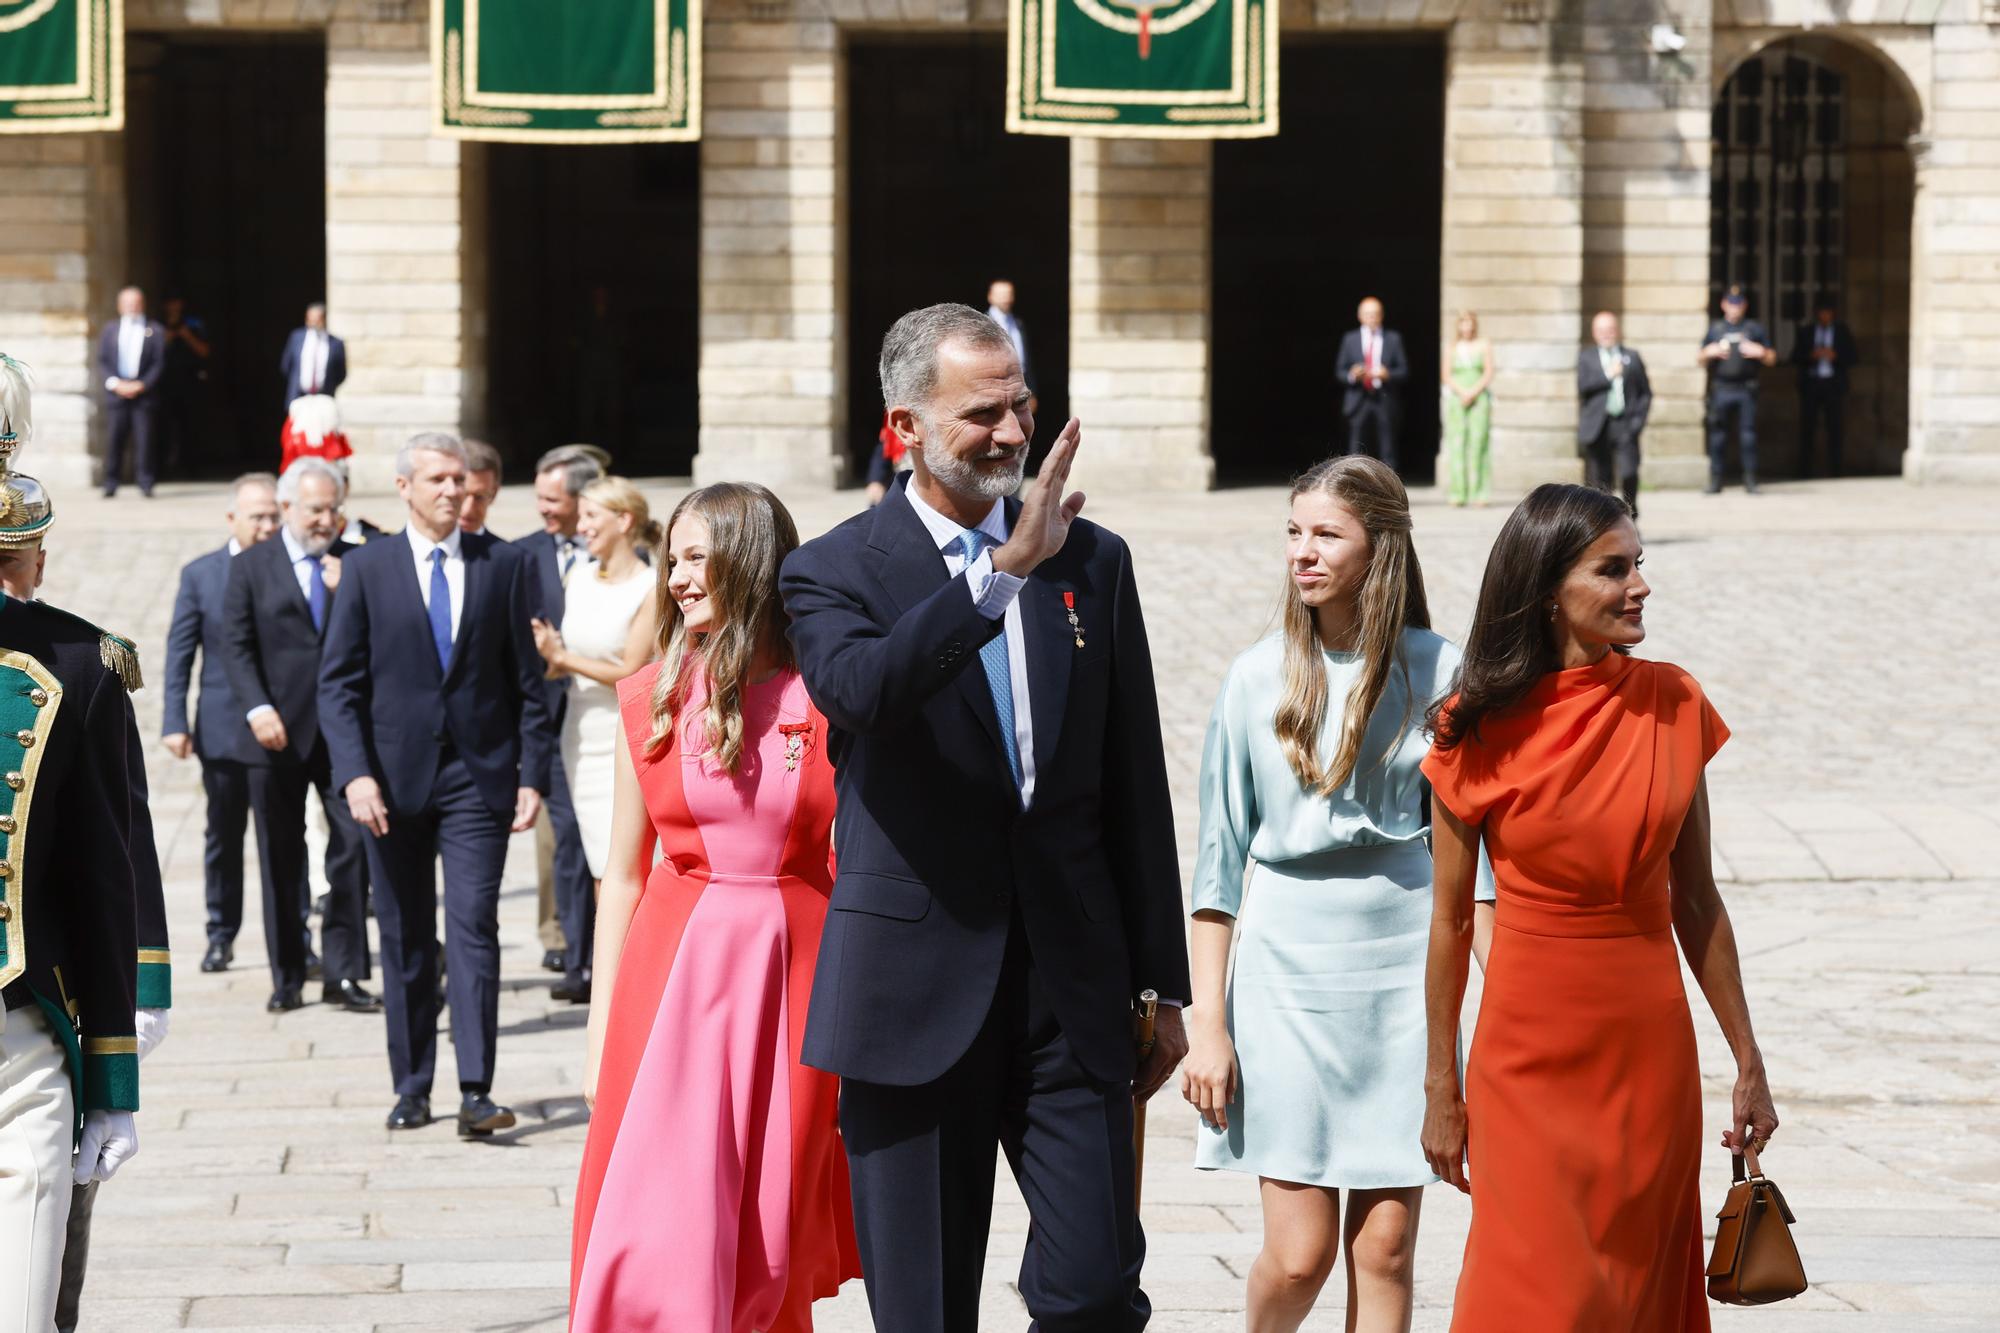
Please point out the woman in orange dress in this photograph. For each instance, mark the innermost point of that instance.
(1581, 767)
(714, 1194)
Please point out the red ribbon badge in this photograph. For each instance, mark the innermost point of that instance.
(1075, 625)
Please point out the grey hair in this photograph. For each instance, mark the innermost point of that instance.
(910, 350)
(430, 442)
(580, 465)
(295, 475)
(263, 479)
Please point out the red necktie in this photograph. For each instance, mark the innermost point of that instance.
(1369, 340)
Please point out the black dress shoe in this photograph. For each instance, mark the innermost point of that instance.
(351, 996)
(410, 1113)
(479, 1116)
(315, 969)
(552, 960)
(1750, 486)
(1714, 487)
(284, 999)
(574, 989)
(218, 958)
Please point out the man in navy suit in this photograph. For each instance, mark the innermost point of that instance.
(1007, 881)
(431, 704)
(131, 356)
(1825, 353)
(558, 555)
(314, 361)
(274, 613)
(219, 738)
(1373, 368)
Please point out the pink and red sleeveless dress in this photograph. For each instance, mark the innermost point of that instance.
(714, 1194)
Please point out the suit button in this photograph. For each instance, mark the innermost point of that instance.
(26, 738)
(954, 648)
(38, 696)
(16, 781)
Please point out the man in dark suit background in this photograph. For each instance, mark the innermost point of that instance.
(1614, 398)
(131, 356)
(1824, 352)
(219, 738)
(1373, 368)
(1007, 880)
(558, 555)
(1000, 309)
(437, 726)
(314, 361)
(275, 610)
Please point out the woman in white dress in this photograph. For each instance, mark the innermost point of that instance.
(608, 629)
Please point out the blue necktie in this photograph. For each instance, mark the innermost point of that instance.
(993, 657)
(315, 590)
(440, 609)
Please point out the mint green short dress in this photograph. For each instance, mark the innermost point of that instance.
(1332, 900)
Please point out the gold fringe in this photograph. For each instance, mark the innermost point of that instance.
(121, 656)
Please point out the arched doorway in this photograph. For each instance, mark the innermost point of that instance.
(1812, 194)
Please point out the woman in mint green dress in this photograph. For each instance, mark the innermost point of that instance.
(1468, 413)
(1307, 1064)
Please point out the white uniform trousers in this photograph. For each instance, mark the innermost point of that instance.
(35, 1169)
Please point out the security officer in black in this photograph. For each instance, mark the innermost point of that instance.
(1735, 352)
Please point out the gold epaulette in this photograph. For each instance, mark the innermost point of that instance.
(122, 656)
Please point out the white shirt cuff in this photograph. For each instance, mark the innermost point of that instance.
(992, 591)
(258, 712)
(111, 382)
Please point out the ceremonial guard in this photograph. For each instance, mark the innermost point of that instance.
(69, 956)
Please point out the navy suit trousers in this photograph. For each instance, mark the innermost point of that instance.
(278, 792)
(459, 828)
(1372, 428)
(1068, 1139)
(226, 784)
(576, 893)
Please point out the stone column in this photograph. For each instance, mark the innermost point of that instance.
(62, 224)
(1139, 312)
(1646, 152)
(771, 345)
(393, 241)
(1955, 263)
(1513, 227)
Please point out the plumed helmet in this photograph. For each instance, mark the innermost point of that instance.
(26, 512)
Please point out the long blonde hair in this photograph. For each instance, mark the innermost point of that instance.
(1391, 600)
(749, 535)
(620, 496)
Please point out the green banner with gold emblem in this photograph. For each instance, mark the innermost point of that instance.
(62, 66)
(1143, 69)
(567, 71)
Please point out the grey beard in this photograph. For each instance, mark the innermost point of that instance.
(965, 478)
(315, 548)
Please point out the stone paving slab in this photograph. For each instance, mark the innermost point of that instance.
(1857, 813)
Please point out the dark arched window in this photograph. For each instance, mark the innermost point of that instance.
(1779, 187)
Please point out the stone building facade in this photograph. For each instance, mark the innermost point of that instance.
(1578, 173)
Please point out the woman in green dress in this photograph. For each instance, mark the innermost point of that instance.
(1468, 413)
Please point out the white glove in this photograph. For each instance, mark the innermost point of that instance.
(150, 1026)
(110, 1139)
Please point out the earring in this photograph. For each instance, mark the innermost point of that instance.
(1552, 610)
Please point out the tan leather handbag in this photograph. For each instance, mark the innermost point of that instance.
(1755, 1261)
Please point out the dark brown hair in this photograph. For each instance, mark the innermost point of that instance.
(1512, 643)
(1390, 600)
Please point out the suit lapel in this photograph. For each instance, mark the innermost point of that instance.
(912, 569)
(472, 551)
(404, 589)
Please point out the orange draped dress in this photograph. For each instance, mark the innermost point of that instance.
(1583, 1096)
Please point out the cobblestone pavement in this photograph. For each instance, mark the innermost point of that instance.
(1845, 630)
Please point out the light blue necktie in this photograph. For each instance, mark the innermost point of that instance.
(993, 657)
(440, 609)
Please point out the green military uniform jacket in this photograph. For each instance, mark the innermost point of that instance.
(68, 894)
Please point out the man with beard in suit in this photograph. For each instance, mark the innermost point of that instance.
(274, 615)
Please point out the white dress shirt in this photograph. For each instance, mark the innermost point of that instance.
(131, 348)
(1823, 337)
(994, 595)
(454, 570)
(312, 361)
(1006, 320)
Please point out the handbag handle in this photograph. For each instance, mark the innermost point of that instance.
(1737, 1164)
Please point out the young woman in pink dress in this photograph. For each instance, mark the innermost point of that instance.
(714, 1195)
